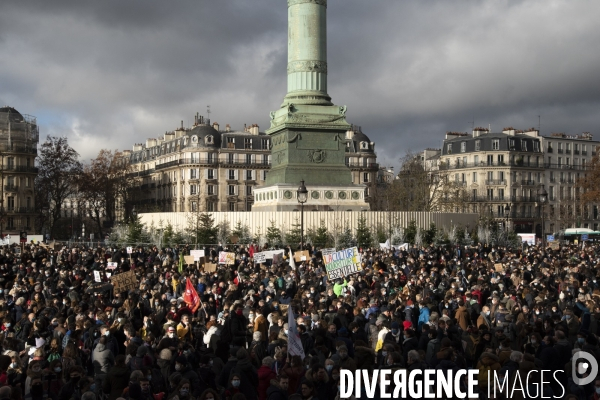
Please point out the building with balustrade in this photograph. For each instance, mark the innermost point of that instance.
(19, 138)
(501, 176)
(206, 168)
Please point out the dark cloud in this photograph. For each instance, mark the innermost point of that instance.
(112, 73)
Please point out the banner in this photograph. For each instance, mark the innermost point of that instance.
(292, 262)
(226, 258)
(294, 343)
(191, 297)
(342, 263)
(529, 238)
(260, 258)
(124, 282)
(197, 254)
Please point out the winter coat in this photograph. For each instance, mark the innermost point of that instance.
(116, 381)
(462, 318)
(275, 392)
(249, 381)
(102, 359)
(265, 375)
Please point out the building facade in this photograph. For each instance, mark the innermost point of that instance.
(497, 175)
(501, 176)
(204, 168)
(19, 138)
(566, 160)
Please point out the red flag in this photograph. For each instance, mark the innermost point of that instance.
(191, 297)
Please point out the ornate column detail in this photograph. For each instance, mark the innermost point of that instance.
(319, 2)
(307, 66)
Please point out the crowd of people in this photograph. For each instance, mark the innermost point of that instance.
(64, 335)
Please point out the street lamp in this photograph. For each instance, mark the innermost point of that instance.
(302, 195)
(543, 199)
(82, 231)
(507, 215)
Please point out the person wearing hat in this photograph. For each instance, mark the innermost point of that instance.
(169, 341)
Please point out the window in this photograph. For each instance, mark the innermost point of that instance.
(264, 175)
(523, 145)
(536, 146)
(476, 160)
(568, 147)
(247, 143)
(11, 203)
(559, 162)
(474, 177)
(490, 194)
(28, 203)
(231, 206)
(496, 144)
(193, 189)
(463, 147)
(193, 173)
(230, 143)
(490, 176)
(477, 145)
(10, 162)
(265, 144)
(28, 182)
(210, 189)
(364, 146)
(249, 175)
(231, 190)
(29, 160)
(500, 194)
(474, 194)
(449, 148)
(365, 177)
(210, 206)
(210, 174)
(490, 159)
(500, 159)
(248, 190)
(511, 144)
(10, 222)
(230, 158)
(194, 205)
(501, 176)
(211, 158)
(231, 174)
(209, 139)
(248, 158)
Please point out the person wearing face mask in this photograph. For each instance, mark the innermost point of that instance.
(233, 387)
(185, 369)
(183, 391)
(102, 359)
(169, 341)
(573, 325)
(72, 389)
(111, 341)
(238, 327)
(484, 318)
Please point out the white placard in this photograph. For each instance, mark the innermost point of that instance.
(129, 250)
(111, 265)
(260, 258)
(97, 277)
(197, 254)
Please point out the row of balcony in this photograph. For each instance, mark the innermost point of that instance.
(19, 168)
(212, 162)
(575, 152)
(484, 164)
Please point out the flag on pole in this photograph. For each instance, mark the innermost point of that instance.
(294, 343)
(292, 261)
(191, 297)
(180, 262)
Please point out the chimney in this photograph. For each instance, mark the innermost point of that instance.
(254, 129)
(195, 119)
(245, 128)
(227, 128)
(181, 124)
(215, 126)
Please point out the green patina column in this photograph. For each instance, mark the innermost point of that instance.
(308, 131)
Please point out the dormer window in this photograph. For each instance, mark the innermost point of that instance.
(523, 145)
(463, 147)
(364, 146)
(209, 139)
(449, 148)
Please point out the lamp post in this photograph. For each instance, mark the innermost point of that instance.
(302, 195)
(507, 215)
(543, 199)
(82, 231)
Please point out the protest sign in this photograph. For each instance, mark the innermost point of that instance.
(129, 250)
(209, 267)
(260, 258)
(342, 263)
(326, 252)
(197, 254)
(554, 245)
(124, 282)
(499, 267)
(277, 258)
(188, 259)
(111, 265)
(300, 256)
(226, 258)
(97, 277)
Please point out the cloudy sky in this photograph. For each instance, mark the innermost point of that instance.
(111, 73)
